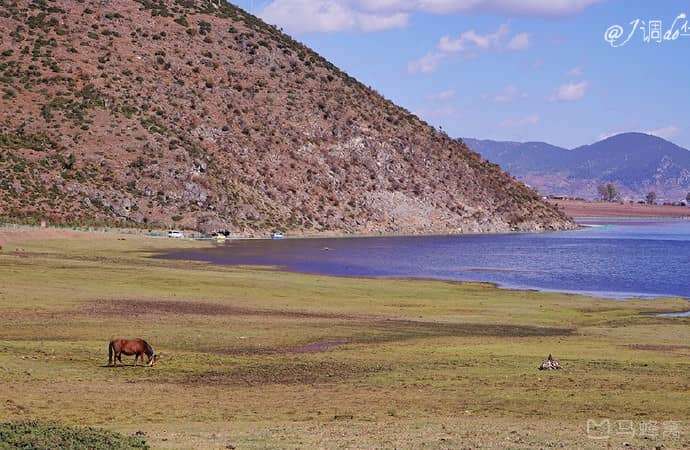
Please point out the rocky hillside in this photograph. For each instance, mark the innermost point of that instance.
(195, 114)
(637, 163)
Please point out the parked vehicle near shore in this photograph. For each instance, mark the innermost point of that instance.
(176, 234)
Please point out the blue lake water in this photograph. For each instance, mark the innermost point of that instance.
(617, 259)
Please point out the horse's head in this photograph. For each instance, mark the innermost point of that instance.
(150, 354)
(153, 359)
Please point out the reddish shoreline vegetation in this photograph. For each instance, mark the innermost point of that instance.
(583, 209)
(192, 115)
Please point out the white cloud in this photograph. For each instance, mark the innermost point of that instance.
(442, 96)
(374, 22)
(426, 64)
(509, 94)
(468, 43)
(469, 40)
(302, 16)
(668, 132)
(531, 119)
(539, 8)
(519, 42)
(309, 15)
(570, 92)
(299, 16)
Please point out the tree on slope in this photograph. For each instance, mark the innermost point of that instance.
(608, 192)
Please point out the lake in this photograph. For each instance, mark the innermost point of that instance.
(616, 258)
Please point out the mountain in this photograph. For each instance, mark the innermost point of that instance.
(636, 162)
(195, 114)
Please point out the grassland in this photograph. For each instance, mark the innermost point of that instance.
(256, 358)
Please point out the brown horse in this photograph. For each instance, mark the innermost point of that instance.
(129, 347)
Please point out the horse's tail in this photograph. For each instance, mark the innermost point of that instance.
(111, 349)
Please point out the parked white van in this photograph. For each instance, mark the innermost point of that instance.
(175, 234)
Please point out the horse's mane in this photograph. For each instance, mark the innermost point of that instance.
(149, 349)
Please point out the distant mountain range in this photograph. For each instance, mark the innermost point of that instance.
(637, 163)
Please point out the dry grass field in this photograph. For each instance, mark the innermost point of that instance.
(256, 358)
(577, 208)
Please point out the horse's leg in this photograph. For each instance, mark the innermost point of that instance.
(136, 357)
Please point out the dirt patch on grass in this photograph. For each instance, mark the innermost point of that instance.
(360, 329)
(383, 331)
(159, 307)
(27, 314)
(285, 372)
(402, 326)
(19, 234)
(433, 329)
(659, 347)
(319, 346)
(311, 347)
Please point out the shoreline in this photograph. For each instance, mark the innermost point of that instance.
(596, 295)
(577, 210)
(36, 233)
(614, 296)
(198, 236)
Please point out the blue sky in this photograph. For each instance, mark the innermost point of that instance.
(507, 69)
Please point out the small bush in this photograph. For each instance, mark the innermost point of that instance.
(204, 27)
(9, 94)
(19, 140)
(182, 21)
(38, 435)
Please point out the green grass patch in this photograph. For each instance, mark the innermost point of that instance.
(40, 435)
